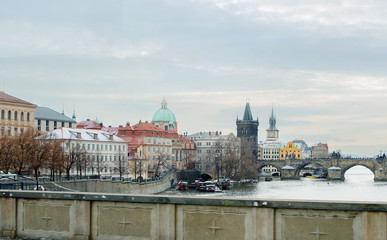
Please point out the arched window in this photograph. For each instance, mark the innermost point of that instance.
(22, 116)
(28, 116)
(15, 115)
(9, 114)
(2, 114)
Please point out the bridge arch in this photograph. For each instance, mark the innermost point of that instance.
(344, 170)
(303, 165)
(260, 167)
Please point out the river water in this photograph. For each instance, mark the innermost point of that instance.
(359, 185)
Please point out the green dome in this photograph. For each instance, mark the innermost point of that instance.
(164, 114)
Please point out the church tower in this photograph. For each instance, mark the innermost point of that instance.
(247, 130)
(272, 133)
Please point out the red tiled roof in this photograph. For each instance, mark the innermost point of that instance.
(89, 124)
(8, 98)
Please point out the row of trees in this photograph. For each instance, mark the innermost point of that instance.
(25, 154)
(31, 152)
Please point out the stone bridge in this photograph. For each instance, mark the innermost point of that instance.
(290, 168)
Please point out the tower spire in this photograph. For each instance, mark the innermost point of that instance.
(63, 109)
(272, 120)
(74, 117)
(247, 116)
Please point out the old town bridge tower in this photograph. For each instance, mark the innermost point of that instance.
(247, 131)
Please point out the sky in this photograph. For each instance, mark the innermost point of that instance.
(322, 65)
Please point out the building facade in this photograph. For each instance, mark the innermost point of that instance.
(290, 151)
(247, 131)
(47, 120)
(212, 148)
(16, 115)
(157, 145)
(320, 151)
(104, 154)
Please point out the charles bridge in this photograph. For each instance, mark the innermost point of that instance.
(336, 167)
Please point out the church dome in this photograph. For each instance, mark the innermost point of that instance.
(164, 114)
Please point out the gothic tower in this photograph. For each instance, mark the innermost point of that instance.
(272, 133)
(247, 130)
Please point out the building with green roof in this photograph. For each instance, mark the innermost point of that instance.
(164, 118)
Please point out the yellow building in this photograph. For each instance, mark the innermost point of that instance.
(16, 115)
(290, 151)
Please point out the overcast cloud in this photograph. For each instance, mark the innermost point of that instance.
(321, 64)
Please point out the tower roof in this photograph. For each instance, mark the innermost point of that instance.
(272, 120)
(164, 114)
(247, 116)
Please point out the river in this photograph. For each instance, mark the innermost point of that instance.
(358, 185)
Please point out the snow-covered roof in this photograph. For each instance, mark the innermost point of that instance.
(83, 135)
(334, 168)
(287, 167)
(209, 136)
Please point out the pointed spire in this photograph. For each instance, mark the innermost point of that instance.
(74, 117)
(63, 109)
(272, 120)
(247, 116)
(96, 119)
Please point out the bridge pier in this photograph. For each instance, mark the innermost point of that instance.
(334, 173)
(380, 174)
(288, 173)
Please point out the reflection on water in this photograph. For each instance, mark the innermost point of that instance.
(359, 185)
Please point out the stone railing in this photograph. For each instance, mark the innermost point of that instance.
(67, 215)
(147, 186)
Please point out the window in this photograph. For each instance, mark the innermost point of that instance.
(62, 124)
(70, 125)
(55, 124)
(2, 131)
(39, 125)
(22, 116)
(9, 131)
(88, 146)
(28, 116)
(15, 115)
(9, 114)
(149, 149)
(92, 147)
(110, 147)
(21, 130)
(47, 125)
(2, 114)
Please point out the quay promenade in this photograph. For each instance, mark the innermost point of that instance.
(81, 216)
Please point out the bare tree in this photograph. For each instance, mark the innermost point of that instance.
(231, 159)
(216, 155)
(162, 161)
(5, 153)
(122, 162)
(189, 159)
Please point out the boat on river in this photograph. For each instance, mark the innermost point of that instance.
(182, 185)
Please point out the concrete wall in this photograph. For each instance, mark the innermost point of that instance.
(60, 215)
(117, 186)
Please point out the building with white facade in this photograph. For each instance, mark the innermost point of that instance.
(103, 153)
